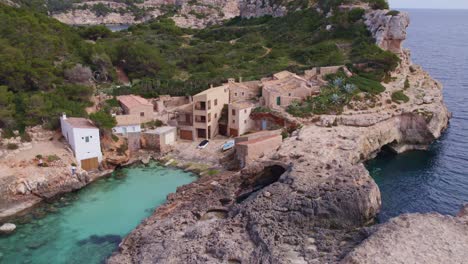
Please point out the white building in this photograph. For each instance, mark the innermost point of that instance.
(83, 137)
(127, 124)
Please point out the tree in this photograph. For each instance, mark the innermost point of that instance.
(7, 108)
(103, 120)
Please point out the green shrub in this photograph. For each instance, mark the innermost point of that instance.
(399, 97)
(103, 120)
(115, 138)
(367, 85)
(407, 83)
(52, 158)
(38, 156)
(12, 146)
(393, 13)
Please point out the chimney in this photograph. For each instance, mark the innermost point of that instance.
(211, 85)
(240, 79)
(64, 116)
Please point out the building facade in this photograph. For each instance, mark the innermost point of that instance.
(239, 121)
(83, 137)
(127, 124)
(136, 105)
(207, 109)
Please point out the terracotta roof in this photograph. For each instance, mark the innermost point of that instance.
(282, 75)
(127, 120)
(133, 100)
(78, 122)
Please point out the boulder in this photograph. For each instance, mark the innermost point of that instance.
(7, 228)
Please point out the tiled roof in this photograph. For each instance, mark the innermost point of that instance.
(286, 84)
(127, 120)
(78, 122)
(133, 100)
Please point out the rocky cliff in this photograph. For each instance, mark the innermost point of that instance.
(309, 201)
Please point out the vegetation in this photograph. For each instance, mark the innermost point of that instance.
(393, 13)
(339, 93)
(44, 61)
(400, 97)
(52, 158)
(407, 84)
(12, 146)
(103, 120)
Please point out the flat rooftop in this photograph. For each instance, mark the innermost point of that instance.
(161, 130)
(79, 122)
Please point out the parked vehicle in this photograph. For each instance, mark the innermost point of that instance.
(203, 144)
(228, 145)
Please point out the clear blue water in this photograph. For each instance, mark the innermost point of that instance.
(117, 27)
(86, 226)
(434, 180)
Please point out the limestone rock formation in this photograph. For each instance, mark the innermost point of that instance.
(415, 238)
(388, 29)
(7, 228)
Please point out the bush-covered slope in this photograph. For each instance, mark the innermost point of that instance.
(41, 57)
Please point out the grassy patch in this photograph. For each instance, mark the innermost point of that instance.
(400, 97)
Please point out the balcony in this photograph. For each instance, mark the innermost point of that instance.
(200, 106)
(200, 119)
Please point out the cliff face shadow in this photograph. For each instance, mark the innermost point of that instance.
(251, 186)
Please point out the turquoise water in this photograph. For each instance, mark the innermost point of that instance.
(434, 180)
(87, 226)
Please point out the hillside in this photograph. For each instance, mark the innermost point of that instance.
(48, 67)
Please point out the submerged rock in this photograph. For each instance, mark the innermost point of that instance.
(7, 228)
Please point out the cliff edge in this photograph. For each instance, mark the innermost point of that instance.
(310, 201)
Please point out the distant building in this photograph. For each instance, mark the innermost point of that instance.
(241, 91)
(136, 105)
(83, 137)
(239, 121)
(160, 139)
(207, 109)
(127, 124)
(286, 87)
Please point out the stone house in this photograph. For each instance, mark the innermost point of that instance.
(319, 73)
(253, 146)
(136, 105)
(207, 109)
(241, 91)
(239, 121)
(286, 87)
(83, 137)
(127, 124)
(160, 139)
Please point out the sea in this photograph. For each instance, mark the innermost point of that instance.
(435, 180)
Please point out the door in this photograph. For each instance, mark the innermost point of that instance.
(233, 132)
(278, 100)
(124, 129)
(90, 164)
(186, 134)
(264, 124)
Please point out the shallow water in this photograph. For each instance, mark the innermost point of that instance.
(87, 226)
(434, 180)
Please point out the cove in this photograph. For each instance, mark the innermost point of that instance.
(87, 226)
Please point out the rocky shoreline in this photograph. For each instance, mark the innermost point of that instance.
(312, 200)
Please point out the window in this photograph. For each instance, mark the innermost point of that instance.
(86, 139)
(245, 121)
(289, 94)
(235, 94)
(216, 102)
(233, 112)
(233, 121)
(142, 113)
(209, 105)
(242, 93)
(216, 115)
(245, 111)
